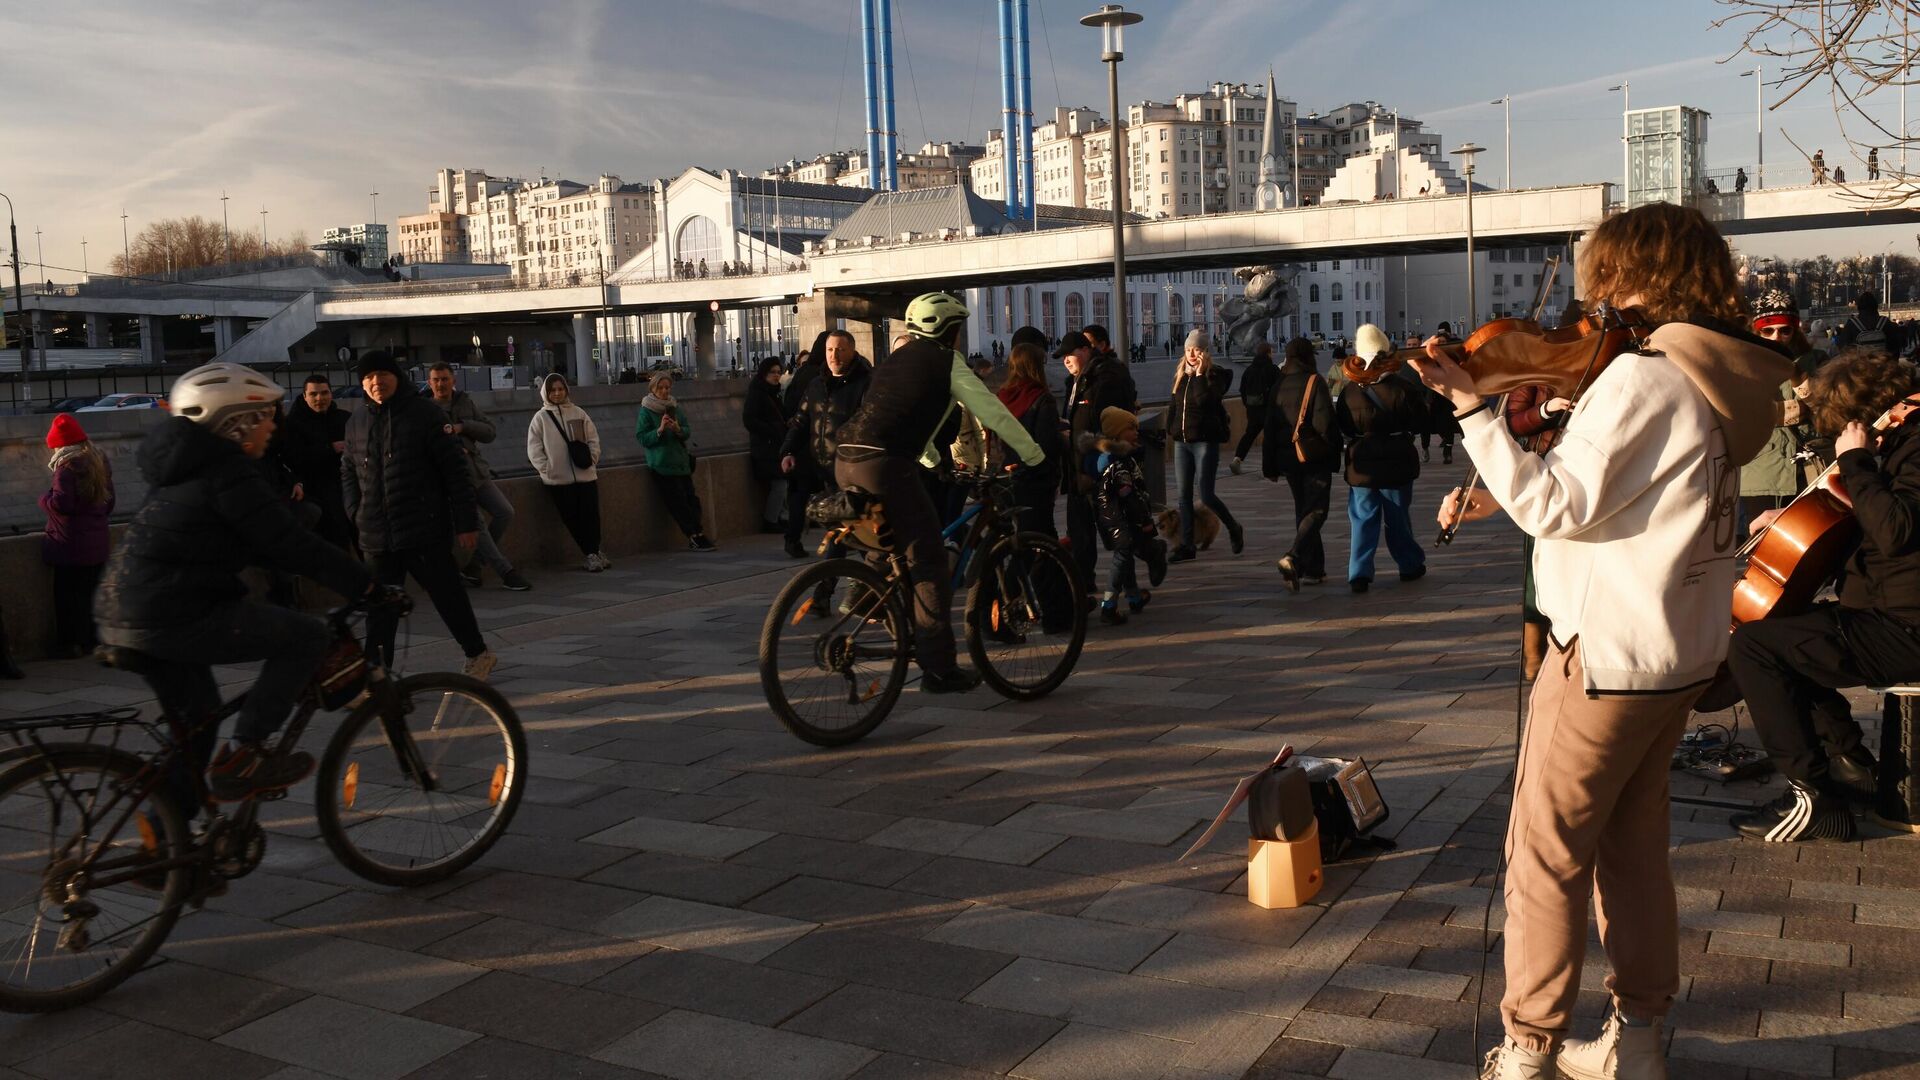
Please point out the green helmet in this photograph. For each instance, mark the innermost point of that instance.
(932, 314)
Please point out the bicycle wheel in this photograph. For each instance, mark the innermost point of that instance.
(77, 915)
(833, 651)
(417, 795)
(1025, 624)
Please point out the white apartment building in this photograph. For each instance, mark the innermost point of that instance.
(934, 165)
(433, 237)
(548, 227)
(367, 240)
(1059, 159)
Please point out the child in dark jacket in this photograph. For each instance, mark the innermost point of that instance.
(77, 504)
(1122, 511)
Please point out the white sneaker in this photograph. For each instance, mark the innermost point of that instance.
(479, 667)
(1234, 466)
(593, 563)
(1511, 1061)
(1622, 1052)
(605, 563)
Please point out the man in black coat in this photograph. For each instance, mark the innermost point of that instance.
(1256, 383)
(309, 443)
(1379, 418)
(1097, 382)
(404, 477)
(1299, 402)
(836, 382)
(172, 588)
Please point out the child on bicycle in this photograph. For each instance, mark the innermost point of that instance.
(172, 589)
(1123, 512)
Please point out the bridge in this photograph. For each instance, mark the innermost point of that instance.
(869, 281)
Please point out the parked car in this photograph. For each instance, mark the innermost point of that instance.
(116, 402)
(72, 404)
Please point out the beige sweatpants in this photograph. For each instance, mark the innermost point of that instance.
(1590, 818)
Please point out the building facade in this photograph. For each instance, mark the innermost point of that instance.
(366, 242)
(432, 238)
(545, 229)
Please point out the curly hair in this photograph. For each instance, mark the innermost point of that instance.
(1859, 384)
(1668, 261)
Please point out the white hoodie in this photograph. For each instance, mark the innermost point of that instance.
(1634, 507)
(547, 446)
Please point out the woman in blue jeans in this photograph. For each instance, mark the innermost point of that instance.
(1379, 418)
(1197, 424)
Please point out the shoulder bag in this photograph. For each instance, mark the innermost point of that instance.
(1308, 444)
(577, 450)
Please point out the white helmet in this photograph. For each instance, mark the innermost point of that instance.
(224, 398)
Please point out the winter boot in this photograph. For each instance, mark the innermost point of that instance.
(1622, 1052)
(1511, 1061)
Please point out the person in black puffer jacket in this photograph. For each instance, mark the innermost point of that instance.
(806, 455)
(309, 442)
(405, 481)
(765, 419)
(1095, 384)
(172, 589)
(1197, 423)
(1300, 402)
(1256, 390)
(1379, 417)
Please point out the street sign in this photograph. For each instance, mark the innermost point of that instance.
(476, 341)
(345, 354)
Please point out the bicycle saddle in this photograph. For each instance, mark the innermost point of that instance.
(129, 660)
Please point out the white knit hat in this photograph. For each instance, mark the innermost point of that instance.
(1369, 342)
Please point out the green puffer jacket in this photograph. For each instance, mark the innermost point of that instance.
(667, 451)
(1773, 471)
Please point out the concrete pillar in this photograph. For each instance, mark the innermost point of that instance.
(152, 349)
(227, 330)
(706, 363)
(99, 332)
(584, 369)
(40, 339)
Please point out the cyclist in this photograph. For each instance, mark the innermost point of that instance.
(884, 445)
(173, 590)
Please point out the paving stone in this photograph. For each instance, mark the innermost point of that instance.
(153, 1053)
(891, 962)
(970, 1036)
(1883, 1007)
(559, 1017)
(680, 837)
(905, 1067)
(573, 905)
(689, 1046)
(371, 975)
(862, 864)
(755, 993)
(1899, 1038)
(490, 1058)
(843, 904)
(1793, 1058)
(689, 879)
(1166, 1010)
(1013, 886)
(1386, 1036)
(805, 819)
(1356, 1063)
(683, 924)
(196, 1001)
(1807, 952)
(347, 1040)
(1139, 826)
(1051, 937)
(1386, 980)
(1081, 1052)
(393, 920)
(544, 952)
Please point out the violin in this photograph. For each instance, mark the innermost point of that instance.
(1365, 373)
(1796, 554)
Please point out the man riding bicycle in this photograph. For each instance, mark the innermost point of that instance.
(172, 590)
(885, 444)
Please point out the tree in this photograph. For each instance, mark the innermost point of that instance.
(1852, 49)
(175, 244)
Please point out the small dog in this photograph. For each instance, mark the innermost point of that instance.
(1206, 526)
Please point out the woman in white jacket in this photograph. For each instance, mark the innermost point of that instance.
(552, 436)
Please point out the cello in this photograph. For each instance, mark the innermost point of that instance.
(1797, 553)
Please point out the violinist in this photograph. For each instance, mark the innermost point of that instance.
(1791, 668)
(1378, 416)
(1632, 511)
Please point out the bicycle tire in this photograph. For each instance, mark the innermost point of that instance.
(354, 767)
(980, 616)
(168, 840)
(794, 603)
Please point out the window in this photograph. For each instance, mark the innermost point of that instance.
(1313, 295)
(1336, 266)
(1339, 321)
(1313, 322)
(1076, 311)
(1165, 198)
(1048, 324)
(992, 327)
(1335, 296)
(1367, 288)
(1163, 157)
(1499, 280)
(1101, 307)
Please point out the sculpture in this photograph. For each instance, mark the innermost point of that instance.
(1269, 294)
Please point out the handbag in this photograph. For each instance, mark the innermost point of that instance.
(1308, 444)
(577, 450)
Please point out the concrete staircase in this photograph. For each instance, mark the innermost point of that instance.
(271, 341)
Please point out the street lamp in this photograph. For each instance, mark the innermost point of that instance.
(1759, 128)
(1506, 182)
(1466, 152)
(19, 300)
(226, 233)
(126, 253)
(1112, 19)
(1626, 165)
(1168, 289)
(84, 272)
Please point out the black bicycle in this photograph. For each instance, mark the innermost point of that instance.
(836, 643)
(99, 852)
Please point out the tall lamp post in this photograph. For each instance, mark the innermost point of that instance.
(1506, 102)
(226, 234)
(126, 251)
(1112, 19)
(1759, 128)
(19, 298)
(1465, 153)
(1626, 151)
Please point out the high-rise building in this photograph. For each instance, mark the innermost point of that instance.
(542, 228)
(433, 237)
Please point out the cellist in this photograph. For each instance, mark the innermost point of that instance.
(1791, 668)
(1632, 511)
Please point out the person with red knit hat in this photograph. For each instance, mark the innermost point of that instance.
(75, 545)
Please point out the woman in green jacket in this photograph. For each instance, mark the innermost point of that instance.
(664, 431)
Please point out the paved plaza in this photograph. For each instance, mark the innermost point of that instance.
(983, 888)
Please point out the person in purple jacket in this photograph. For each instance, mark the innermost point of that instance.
(77, 506)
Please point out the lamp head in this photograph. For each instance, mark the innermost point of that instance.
(1465, 152)
(1112, 19)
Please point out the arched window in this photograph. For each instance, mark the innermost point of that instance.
(1076, 308)
(699, 238)
(1367, 287)
(1200, 311)
(1313, 294)
(1336, 292)
(1028, 321)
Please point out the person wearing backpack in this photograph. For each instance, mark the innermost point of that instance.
(1867, 328)
(1303, 445)
(1256, 389)
(1379, 418)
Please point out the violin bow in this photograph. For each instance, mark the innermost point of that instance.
(1465, 495)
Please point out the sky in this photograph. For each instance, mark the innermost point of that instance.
(304, 109)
